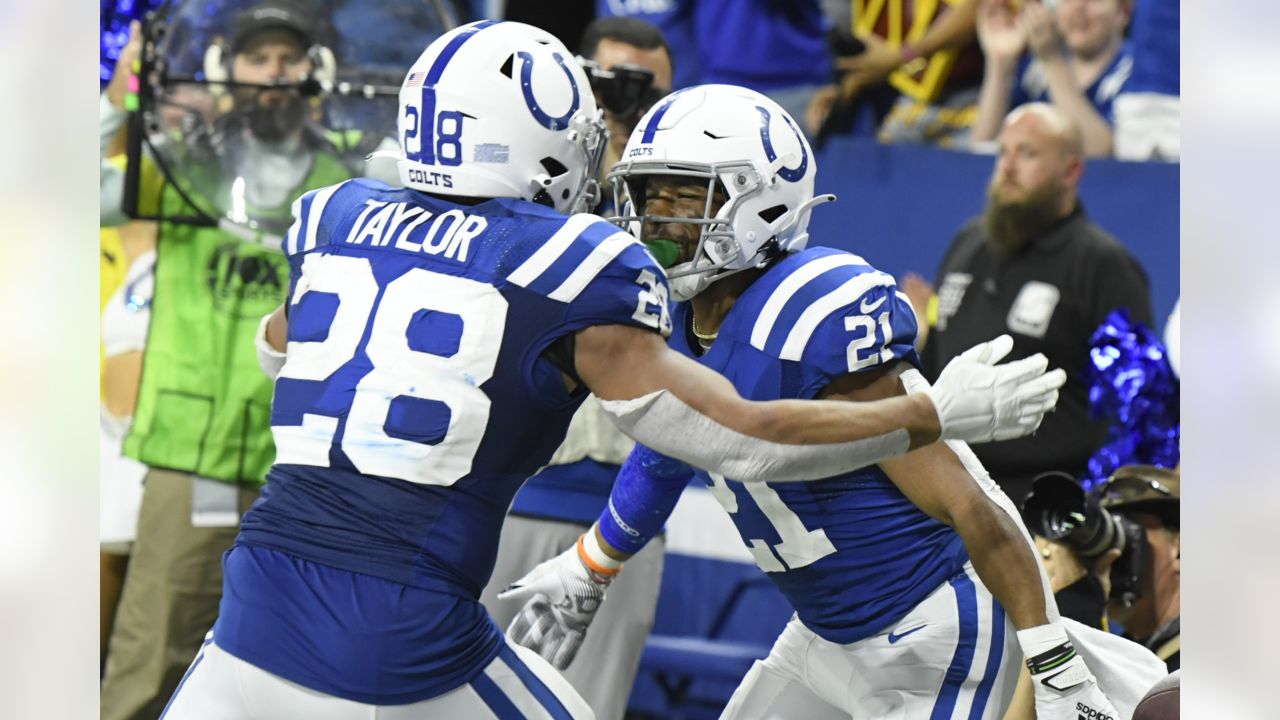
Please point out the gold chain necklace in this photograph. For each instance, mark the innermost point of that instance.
(704, 339)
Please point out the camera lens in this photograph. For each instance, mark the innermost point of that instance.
(1059, 509)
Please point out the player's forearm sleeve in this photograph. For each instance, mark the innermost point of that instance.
(646, 491)
(666, 424)
(269, 359)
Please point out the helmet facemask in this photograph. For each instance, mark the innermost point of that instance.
(717, 253)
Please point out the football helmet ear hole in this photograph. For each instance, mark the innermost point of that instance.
(506, 66)
(554, 167)
(770, 214)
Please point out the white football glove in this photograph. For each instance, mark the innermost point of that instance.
(980, 401)
(1065, 689)
(563, 597)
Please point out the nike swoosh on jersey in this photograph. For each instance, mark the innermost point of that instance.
(866, 307)
(893, 638)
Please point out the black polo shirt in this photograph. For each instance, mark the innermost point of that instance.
(1050, 297)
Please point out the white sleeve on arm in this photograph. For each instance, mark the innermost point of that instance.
(269, 359)
(666, 424)
(110, 120)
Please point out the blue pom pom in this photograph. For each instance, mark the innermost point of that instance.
(1132, 385)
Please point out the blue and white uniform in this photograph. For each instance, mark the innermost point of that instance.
(415, 400)
(854, 556)
(1033, 83)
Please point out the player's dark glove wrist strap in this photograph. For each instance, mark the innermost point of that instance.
(1053, 658)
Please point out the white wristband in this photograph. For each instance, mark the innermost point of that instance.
(269, 359)
(1042, 638)
(597, 558)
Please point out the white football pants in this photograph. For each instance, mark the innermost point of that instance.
(954, 656)
(517, 684)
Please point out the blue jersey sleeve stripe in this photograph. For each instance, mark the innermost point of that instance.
(319, 200)
(789, 287)
(600, 256)
(537, 264)
(809, 320)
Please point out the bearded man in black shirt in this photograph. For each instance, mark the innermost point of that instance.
(1032, 265)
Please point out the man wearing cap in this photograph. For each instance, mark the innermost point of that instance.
(201, 425)
(1149, 496)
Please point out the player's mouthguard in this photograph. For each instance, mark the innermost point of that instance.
(664, 250)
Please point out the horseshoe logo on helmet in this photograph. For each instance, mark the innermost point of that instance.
(526, 87)
(788, 174)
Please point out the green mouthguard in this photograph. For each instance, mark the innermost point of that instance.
(664, 250)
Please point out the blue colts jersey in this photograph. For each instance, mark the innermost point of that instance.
(416, 397)
(851, 552)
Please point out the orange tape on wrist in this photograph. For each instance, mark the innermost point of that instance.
(591, 564)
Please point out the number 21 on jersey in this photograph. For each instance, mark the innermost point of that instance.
(799, 547)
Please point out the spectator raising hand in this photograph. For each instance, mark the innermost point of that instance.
(1041, 33)
(118, 87)
(1074, 57)
(1001, 34)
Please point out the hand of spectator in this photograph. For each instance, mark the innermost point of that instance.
(820, 108)
(1001, 33)
(1061, 564)
(119, 85)
(1041, 31)
(918, 291)
(869, 68)
(1102, 569)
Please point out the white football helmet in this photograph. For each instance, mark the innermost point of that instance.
(501, 109)
(745, 144)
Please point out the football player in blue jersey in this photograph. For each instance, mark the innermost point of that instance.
(915, 585)
(437, 339)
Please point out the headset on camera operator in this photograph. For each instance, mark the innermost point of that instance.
(1127, 534)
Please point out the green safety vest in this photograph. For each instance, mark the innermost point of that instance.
(204, 405)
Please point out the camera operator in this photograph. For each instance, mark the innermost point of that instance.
(1149, 496)
(1127, 535)
(1111, 554)
(630, 67)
